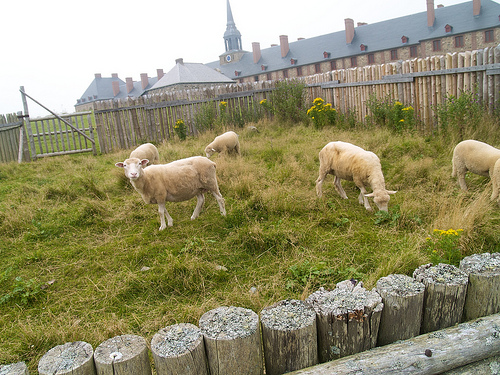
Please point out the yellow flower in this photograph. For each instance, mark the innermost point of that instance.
(263, 101)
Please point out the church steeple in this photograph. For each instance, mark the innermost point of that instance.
(232, 37)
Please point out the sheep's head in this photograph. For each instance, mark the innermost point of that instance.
(209, 151)
(382, 198)
(133, 167)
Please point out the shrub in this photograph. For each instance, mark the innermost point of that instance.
(390, 113)
(322, 114)
(204, 119)
(287, 102)
(443, 246)
(180, 129)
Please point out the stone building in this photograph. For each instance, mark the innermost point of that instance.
(463, 27)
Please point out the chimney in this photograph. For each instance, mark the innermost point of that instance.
(285, 48)
(116, 87)
(179, 61)
(476, 7)
(130, 84)
(349, 30)
(114, 75)
(256, 52)
(159, 73)
(97, 75)
(144, 80)
(430, 13)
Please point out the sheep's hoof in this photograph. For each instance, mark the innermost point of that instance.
(162, 227)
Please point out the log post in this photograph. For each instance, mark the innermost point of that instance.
(432, 353)
(18, 368)
(123, 355)
(232, 341)
(289, 336)
(444, 297)
(483, 291)
(75, 358)
(348, 319)
(179, 349)
(403, 299)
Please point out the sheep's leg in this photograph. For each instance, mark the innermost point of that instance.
(221, 202)
(319, 182)
(200, 199)
(461, 180)
(362, 199)
(163, 211)
(338, 186)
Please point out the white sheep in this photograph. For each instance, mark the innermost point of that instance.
(479, 158)
(227, 142)
(177, 181)
(146, 151)
(346, 161)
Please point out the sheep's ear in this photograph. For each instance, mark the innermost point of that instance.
(369, 195)
(119, 165)
(213, 149)
(392, 191)
(144, 162)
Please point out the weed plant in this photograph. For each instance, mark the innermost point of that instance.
(82, 257)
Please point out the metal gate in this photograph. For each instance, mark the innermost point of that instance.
(58, 134)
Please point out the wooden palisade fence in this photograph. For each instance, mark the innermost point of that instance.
(405, 324)
(422, 83)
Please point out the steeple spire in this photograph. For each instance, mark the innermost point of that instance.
(232, 37)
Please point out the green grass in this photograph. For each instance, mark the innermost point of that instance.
(76, 238)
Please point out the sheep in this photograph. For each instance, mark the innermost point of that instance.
(146, 151)
(346, 161)
(224, 142)
(177, 181)
(479, 158)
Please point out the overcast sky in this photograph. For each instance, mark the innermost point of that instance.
(54, 47)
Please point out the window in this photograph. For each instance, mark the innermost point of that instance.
(404, 39)
(317, 68)
(299, 71)
(394, 54)
(333, 65)
(489, 36)
(363, 47)
(371, 58)
(436, 45)
(269, 76)
(256, 78)
(413, 51)
(459, 41)
(354, 62)
(285, 73)
(448, 28)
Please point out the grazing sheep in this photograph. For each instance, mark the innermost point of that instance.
(225, 142)
(146, 151)
(177, 181)
(349, 162)
(479, 158)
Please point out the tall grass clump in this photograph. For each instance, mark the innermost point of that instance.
(390, 113)
(82, 257)
(287, 102)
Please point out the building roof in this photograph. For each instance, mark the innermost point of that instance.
(190, 73)
(375, 37)
(101, 88)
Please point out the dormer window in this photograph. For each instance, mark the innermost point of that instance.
(293, 61)
(404, 39)
(237, 73)
(326, 54)
(448, 28)
(363, 47)
(263, 67)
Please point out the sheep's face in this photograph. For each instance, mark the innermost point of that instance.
(209, 151)
(382, 199)
(133, 167)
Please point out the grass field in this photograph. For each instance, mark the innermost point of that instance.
(82, 257)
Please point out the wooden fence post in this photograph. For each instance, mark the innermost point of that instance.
(75, 358)
(403, 299)
(348, 319)
(232, 341)
(122, 355)
(432, 353)
(483, 291)
(179, 349)
(444, 297)
(18, 368)
(289, 336)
